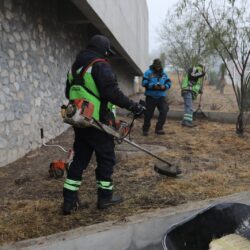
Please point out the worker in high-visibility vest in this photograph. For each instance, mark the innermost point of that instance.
(92, 78)
(191, 87)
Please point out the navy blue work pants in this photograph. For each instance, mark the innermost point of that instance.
(87, 141)
(151, 104)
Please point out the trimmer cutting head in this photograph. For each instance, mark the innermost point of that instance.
(167, 169)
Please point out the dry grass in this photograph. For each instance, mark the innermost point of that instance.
(215, 162)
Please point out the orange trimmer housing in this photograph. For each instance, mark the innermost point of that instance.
(56, 168)
(87, 108)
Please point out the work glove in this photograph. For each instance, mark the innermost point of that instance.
(159, 87)
(137, 109)
(156, 87)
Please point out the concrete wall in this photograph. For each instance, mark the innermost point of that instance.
(125, 77)
(37, 47)
(36, 51)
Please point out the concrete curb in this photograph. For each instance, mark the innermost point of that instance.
(222, 117)
(142, 232)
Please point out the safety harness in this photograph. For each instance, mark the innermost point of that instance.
(83, 86)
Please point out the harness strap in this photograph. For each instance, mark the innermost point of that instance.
(80, 76)
(92, 63)
(86, 69)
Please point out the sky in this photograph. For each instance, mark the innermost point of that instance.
(157, 11)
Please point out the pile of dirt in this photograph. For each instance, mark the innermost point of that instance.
(215, 162)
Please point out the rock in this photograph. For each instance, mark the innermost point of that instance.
(11, 53)
(22, 180)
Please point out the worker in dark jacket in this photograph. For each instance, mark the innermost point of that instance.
(92, 78)
(156, 83)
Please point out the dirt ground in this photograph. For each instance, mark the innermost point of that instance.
(214, 160)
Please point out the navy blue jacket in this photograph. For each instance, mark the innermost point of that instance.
(105, 80)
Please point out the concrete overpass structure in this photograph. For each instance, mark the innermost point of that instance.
(125, 23)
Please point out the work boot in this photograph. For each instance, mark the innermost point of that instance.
(70, 205)
(145, 133)
(71, 202)
(105, 202)
(188, 124)
(160, 132)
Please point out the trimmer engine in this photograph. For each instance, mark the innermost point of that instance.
(58, 167)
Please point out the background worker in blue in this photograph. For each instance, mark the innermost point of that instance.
(156, 83)
(89, 140)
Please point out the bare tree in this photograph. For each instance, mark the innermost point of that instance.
(222, 81)
(183, 41)
(229, 34)
(163, 58)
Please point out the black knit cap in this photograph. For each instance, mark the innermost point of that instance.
(157, 63)
(101, 45)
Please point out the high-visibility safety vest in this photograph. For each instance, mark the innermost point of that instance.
(193, 86)
(86, 89)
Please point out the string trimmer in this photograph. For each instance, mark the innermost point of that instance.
(198, 113)
(58, 167)
(79, 113)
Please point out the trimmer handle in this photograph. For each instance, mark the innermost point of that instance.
(42, 135)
